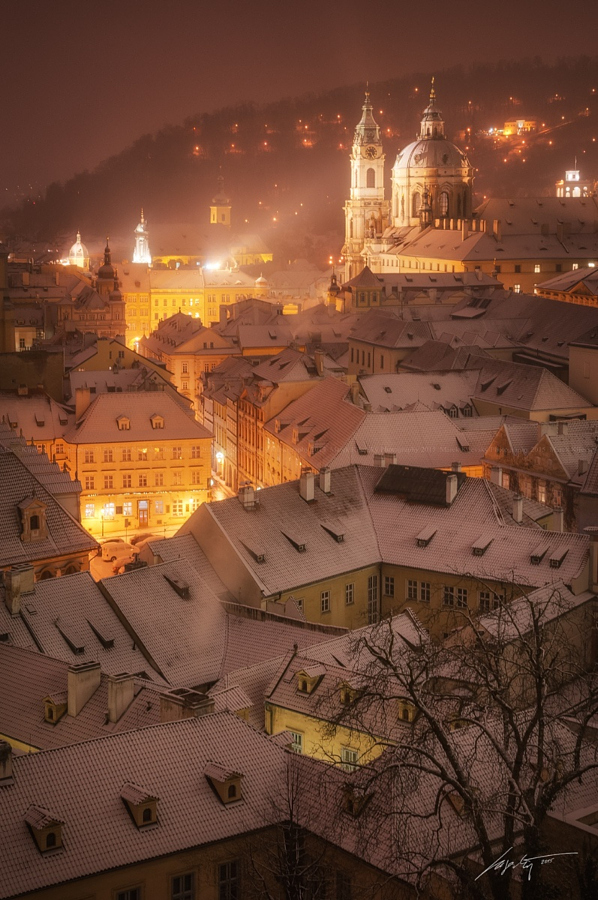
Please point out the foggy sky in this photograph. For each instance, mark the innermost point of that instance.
(82, 80)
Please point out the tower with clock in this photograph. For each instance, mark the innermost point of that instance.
(366, 212)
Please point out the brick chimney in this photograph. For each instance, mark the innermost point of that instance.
(354, 392)
(82, 401)
(5, 763)
(451, 488)
(182, 703)
(83, 681)
(496, 475)
(557, 520)
(319, 361)
(307, 485)
(18, 580)
(518, 508)
(456, 467)
(121, 693)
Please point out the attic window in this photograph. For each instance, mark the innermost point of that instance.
(45, 828)
(141, 805)
(425, 536)
(557, 557)
(177, 584)
(226, 783)
(355, 800)
(157, 421)
(481, 545)
(55, 707)
(484, 385)
(407, 711)
(308, 679)
(296, 540)
(334, 531)
(501, 388)
(124, 423)
(363, 451)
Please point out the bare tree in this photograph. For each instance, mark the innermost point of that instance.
(485, 733)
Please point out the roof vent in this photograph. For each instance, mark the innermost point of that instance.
(481, 545)
(178, 585)
(425, 536)
(557, 557)
(296, 540)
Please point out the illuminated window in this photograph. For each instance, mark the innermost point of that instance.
(575, 266)
(349, 594)
(128, 508)
(297, 742)
(142, 455)
(89, 483)
(90, 510)
(109, 510)
(348, 759)
(177, 508)
(517, 288)
(177, 452)
(537, 268)
(444, 204)
(159, 507)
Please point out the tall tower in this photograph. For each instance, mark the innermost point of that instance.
(220, 208)
(432, 165)
(141, 253)
(366, 213)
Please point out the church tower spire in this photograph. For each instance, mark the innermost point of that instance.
(366, 212)
(141, 253)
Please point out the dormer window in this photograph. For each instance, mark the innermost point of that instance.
(157, 421)
(141, 805)
(308, 679)
(45, 828)
(124, 423)
(407, 711)
(33, 520)
(55, 706)
(226, 783)
(355, 800)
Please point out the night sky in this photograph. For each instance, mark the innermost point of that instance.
(81, 80)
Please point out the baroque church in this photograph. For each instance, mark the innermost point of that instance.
(431, 182)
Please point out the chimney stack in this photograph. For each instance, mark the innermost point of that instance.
(582, 466)
(222, 315)
(5, 763)
(496, 475)
(307, 485)
(497, 229)
(456, 467)
(182, 703)
(563, 427)
(557, 520)
(325, 480)
(518, 508)
(390, 459)
(18, 580)
(83, 682)
(121, 693)
(354, 392)
(247, 496)
(319, 361)
(451, 488)
(82, 401)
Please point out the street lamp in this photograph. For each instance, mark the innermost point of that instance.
(102, 516)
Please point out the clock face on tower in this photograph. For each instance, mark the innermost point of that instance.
(371, 152)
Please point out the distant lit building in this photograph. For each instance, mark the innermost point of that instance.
(572, 185)
(220, 207)
(519, 126)
(78, 254)
(142, 254)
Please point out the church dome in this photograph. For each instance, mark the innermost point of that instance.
(78, 254)
(106, 271)
(431, 153)
(261, 282)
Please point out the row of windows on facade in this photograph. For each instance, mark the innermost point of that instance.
(177, 480)
(435, 267)
(416, 590)
(183, 887)
(110, 511)
(142, 454)
(533, 488)
(349, 756)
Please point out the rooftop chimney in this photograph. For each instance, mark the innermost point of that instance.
(379, 460)
(518, 508)
(319, 361)
(5, 763)
(307, 485)
(247, 496)
(582, 466)
(557, 521)
(497, 229)
(354, 392)
(563, 427)
(182, 703)
(390, 459)
(496, 475)
(456, 467)
(82, 400)
(222, 315)
(451, 488)
(121, 693)
(464, 229)
(18, 580)
(325, 480)
(83, 682)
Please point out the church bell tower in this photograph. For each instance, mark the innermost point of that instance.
(366, 212)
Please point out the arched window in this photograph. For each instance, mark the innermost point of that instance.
(576, 192)
(370, 178)
(355, 179)
(232, 791)
(351, 228)
(45, 575)
(444, 204)
(147, 814)
(416, 203)
(459, 205)
(50, 840)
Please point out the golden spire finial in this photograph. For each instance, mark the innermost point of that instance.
(367, 91)
(432, 91)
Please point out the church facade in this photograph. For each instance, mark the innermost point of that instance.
(431, 181)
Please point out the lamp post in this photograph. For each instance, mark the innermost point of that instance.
(102, 517)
